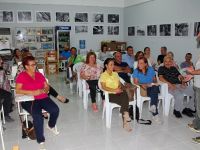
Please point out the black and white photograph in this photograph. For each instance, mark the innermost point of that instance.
(97, 29)
(181, 29)
(113, 18)
(97, 18)
(196, 28)
(151, 30)
(24, 16)
(113, 30)
(43, 16)
(6, 16)
(81, 29)
(81, 17)
(131, 31)
(140, 31)
(165, 30)
(62, 16)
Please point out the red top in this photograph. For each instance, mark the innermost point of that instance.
(28, 83)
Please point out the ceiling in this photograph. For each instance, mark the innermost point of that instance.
(104, 3)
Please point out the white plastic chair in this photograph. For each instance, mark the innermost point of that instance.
(2, 115)
(1, 134)
(108, 107)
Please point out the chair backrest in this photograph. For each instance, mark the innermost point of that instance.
(41, 71)
(14, 71)
(19, 63)
(77, 67)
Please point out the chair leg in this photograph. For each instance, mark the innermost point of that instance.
(1, 134)
(108, 125)
(3, 116)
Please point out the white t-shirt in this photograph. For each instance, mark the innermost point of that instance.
(197, 77)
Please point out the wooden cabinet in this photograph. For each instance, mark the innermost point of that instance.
(51, 62)
(115, 45)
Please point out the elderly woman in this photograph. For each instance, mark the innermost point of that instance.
(91, 71)
(144, 76)
(104, 54)
(110, 81)
(34, 83)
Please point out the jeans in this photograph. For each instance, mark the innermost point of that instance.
(52, 92)
(6, 100)
(35, 109)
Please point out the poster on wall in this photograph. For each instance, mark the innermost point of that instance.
(43, 16)
(131, 31)
(140, 30)
(97, 18)
(62, 16)
(196, 28)
(181, 29)
(81, 17)
(82, 44)
(6, 16)
(113, 18)
(165, 30)
(151, 30)
(81, 29)
(97, 29)
(113, 30)
(24, 16)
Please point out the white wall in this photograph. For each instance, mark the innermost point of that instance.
(92, 41)
(134, 2)
(162, 12)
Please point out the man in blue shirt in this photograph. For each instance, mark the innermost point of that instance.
(65, 53)
(129, 57)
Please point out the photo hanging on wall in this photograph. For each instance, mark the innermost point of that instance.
(62, 16)
(113, 30)
(24, 16)
(196, 28)
(113, 18)
(181, 29)
(97, 18)
(97, 30)
(43, 16)
(6, 16)
(81, 17)
(81, 29)
(151, 30)
(165, 30)
(140, 31)
(131, 31)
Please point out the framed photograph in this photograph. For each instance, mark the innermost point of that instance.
(113, 30)
(82, 44)
(81, 17)
(151, 30)
(181, 29)
(62, 17)
(165, 30)
(24, 16)
(47, 46)
(140, 30)
(113, 18)
(98, 30)
(98, 18)
(81, 29)
(6, 16)
(131, 31)
(196, 28)
(43, 16)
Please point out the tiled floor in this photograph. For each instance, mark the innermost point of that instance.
(85, 130)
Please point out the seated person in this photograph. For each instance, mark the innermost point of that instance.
(138, 55)
(104, 54)
(176, 84)
(129, 57)
(17, 56)
(163, 51)
(145, 77)
(187, 62)
(147, 55)
(90, 71)
(110, 81)
(5, 94)
(65, 53)
(34, 83)
(174, 63)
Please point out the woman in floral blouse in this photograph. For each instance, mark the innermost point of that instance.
(90, 72)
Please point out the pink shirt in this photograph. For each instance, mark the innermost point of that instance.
(28, 83)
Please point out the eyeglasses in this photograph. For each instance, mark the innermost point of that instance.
(32, 65)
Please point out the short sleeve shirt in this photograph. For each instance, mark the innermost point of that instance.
(170, 74)
(94, 72)
(28, 83)
(111, 81)
(144, 78)
(78, 59)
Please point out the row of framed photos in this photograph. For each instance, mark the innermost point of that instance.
(180, 29)
(44, 16)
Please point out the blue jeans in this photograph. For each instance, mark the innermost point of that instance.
(35, 109)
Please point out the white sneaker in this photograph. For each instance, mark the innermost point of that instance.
(42, 146)
(153, 109)
(54, 130)
(156, 118)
